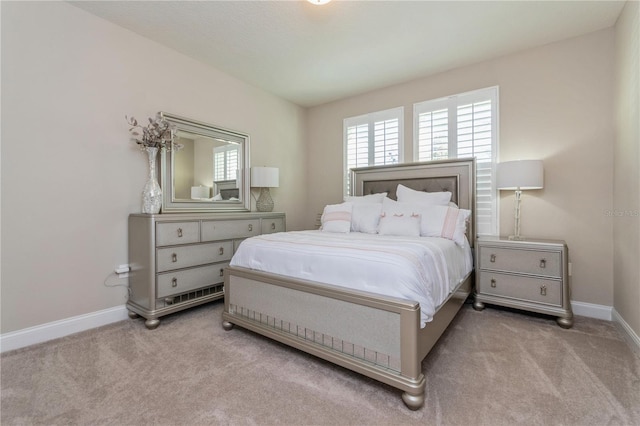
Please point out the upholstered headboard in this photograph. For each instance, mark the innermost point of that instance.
(456, 176)
(427, 184)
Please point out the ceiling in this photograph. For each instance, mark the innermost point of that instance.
(312, 54)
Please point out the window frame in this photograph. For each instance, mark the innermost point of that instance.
(451, 103)
(370, 120)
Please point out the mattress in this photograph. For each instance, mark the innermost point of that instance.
(421, 269)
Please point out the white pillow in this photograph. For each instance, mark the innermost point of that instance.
(371, 198)
(365, 217)
(399, 219)
(445, 222)
(400, 224)
(436, 221)
(408, 195)
(337, 218)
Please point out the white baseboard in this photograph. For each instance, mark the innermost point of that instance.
(56, 329)
(607, 313)
(633, 337)
(591, 310)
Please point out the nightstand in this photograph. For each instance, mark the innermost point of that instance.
(530, 275)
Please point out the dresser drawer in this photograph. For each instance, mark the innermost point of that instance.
(193, 255)
(172, 233)
(230, 229)
(520, 287)
(171, 283)
(538, 262)
(271, 226)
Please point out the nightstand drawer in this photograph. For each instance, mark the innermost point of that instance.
(171, 283)
(172, 233)
(537, 262)
(228, 229)
(521, 287)
(193, 255)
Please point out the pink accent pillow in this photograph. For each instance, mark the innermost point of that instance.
(337, 218)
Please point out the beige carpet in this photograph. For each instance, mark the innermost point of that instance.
(494, 367)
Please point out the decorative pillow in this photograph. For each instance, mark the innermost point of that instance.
(365, 217)
(436, 221)
(400, 224)
(337, 218)
(371, 198)
(408, 195)
(399, 219)
(445, 222)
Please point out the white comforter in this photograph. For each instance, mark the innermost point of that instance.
(419, 269)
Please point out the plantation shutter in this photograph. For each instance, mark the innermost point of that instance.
(371, 140)
(225, 162)
(458, 126)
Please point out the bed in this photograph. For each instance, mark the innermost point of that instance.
(383, 337)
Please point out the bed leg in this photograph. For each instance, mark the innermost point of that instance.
(413, 402)
(227, 325)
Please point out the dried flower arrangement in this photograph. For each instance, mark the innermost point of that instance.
(158, 133)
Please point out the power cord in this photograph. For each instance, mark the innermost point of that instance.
(108, 284)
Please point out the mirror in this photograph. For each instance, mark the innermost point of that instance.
(207, 169)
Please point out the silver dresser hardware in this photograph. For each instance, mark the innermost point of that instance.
(178, 260)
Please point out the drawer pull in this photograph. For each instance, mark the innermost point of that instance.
(543, 263)
(273, 226)
(179, 232)
(493, 282)
(174, 257)
(543, 290)
(492, 259)
(250, 227)
(221, 251)
(222, 272)
(174, 282)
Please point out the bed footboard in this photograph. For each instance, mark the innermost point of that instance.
(369, 334)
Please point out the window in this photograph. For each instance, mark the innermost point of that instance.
(464, 125)
(225, 162)
(372, 140)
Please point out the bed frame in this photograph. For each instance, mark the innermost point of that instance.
(377, 336)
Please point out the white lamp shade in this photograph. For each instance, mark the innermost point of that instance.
(520, 174)
(199, 192)
(265, 177)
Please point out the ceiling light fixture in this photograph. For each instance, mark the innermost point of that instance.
(318, 2)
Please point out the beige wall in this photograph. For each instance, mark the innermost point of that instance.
(68, 79)
(70, 176)
(556, 105)
(626, 177)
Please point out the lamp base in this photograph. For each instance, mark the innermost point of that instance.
(264, 202)
(516, 238)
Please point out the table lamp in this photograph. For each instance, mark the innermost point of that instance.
(264, 178)
(520, 175)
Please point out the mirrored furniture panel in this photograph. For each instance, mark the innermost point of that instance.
(207, 170)
(177, 261)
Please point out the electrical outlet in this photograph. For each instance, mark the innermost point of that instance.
(123, 271)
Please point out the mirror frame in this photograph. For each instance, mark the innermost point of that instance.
(169, 202)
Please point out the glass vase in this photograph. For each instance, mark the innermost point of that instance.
(152, 193)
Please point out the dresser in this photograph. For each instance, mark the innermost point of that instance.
(177, 260)
(531, 275)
